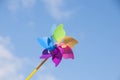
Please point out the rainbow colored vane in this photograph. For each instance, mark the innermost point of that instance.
(58, 45)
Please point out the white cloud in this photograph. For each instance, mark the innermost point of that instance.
(55, 9)
(10, 65)
(14, 5)
(28, 3)
(45, 77)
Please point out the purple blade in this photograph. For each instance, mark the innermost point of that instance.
(45, 54)
(56, 61)
(56, 56)
(67, 52)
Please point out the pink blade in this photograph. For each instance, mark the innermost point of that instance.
(67, 52)
(67, 56)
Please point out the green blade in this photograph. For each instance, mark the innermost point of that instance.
(59, 33)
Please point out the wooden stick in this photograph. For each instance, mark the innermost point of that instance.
(35, 70)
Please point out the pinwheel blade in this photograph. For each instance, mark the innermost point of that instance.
(51, 44)
(67, 52)
(56, 56)
(43, 42)
(71, 42)
(59, 33)
(45, 54)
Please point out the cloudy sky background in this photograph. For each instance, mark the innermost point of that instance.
(95, 24)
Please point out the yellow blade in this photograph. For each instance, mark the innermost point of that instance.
(70, 41)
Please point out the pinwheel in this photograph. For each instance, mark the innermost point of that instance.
(57, 45)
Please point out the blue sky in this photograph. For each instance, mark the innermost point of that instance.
(94, 23)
